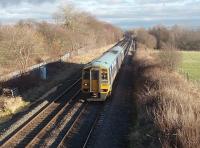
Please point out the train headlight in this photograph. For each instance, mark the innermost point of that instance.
(85, 84)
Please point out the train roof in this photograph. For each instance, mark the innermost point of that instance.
(107, 59)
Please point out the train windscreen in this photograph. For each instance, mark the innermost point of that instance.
(95, 75)
(104, 75)
(86, 74)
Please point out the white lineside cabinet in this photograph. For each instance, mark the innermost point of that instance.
(43, 72)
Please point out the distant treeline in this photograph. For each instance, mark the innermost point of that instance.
(161, 37)
(29, 42)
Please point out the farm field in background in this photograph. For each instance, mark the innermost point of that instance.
(191, 64)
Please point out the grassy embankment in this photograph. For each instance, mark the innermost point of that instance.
(168, 105)
(191, 64)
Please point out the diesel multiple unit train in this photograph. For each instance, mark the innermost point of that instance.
(98, 76)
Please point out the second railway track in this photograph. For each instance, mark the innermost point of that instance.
(49, 134)
(79, 132)
(30, 129)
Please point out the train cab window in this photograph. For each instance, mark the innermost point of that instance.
(95, 74)
(104, 75)
(86, 74)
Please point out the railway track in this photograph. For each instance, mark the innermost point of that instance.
(86, 142)
(50, 133)
(70, 138)
(70, 129)
(33, 128)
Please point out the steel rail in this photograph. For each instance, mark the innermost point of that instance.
(90, 132)
(36, 139)
(72, 126)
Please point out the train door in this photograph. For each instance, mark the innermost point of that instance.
(94, 80)
(86, 80)
(117, 61)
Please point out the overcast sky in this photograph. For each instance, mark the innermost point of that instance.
(124, 13)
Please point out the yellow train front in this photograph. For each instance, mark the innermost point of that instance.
(98, 76)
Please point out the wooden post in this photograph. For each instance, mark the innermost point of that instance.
(187, 76)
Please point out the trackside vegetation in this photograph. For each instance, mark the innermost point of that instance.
(167, 103)
(167, 88)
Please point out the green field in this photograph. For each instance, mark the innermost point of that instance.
(191, 64)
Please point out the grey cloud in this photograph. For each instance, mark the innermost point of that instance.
(150, 23)
(158, 1)
(122, 12)
(5, 3)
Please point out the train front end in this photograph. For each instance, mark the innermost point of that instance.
(95, 83)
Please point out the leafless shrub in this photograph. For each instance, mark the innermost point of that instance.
(170, 58)
(21, 43)
(161, 34)
(145, 38)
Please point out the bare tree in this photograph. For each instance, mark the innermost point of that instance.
(161, 34)
(145, 38)
(20, 42)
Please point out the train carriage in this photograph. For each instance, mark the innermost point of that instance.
(98, 76)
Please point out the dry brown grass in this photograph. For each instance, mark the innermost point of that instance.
(170, 101)
(11, 106)
(90, 55)
(170, 58)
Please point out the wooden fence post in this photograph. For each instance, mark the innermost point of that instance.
(187, 74)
